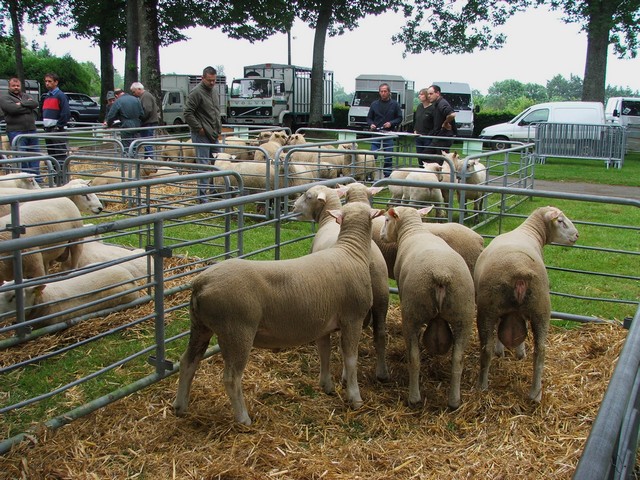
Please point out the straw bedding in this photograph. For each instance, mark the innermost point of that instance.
(301, 433)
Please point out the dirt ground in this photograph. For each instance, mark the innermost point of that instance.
(299, 433)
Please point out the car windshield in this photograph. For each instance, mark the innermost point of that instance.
(251, 88)
(458, 101)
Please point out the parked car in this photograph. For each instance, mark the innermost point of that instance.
(83, 108)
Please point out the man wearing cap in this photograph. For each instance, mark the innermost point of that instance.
(151, 116)
(111, 98)
(128, 112)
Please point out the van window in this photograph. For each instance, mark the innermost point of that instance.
(537, 116)
(630, 108)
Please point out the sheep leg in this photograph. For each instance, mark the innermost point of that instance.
(540, 328)
(456, 373)
(349, 338)
(487, 334)
(234, 365)
(198, 343)
(411, 340)
(324, 352)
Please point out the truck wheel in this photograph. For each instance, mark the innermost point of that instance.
(500, 143)
(178, 121)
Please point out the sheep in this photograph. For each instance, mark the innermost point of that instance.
(175, 151)
(398, 192)
(462, 239)
(40, 217)
(435, 289)
(292, 302)
(276, 141)
(23, 180)
(476, 174)
(424, 195)
(512, 287)
(446, 170)
(49, 299)
(239, 153)
(315, 204)
(116, 176)
(87, 203)
(360, 166)
(97, 251)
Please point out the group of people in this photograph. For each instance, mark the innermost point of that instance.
(434, 117)
(20, 111)
(136, 110)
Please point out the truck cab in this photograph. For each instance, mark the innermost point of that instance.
(623, 111)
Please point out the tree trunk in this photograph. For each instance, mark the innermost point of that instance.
(17, 41)
(317, 69)
(150, 49)
(133, 45)
(106, 69)
(595, 70)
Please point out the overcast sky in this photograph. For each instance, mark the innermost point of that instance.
(539, 46)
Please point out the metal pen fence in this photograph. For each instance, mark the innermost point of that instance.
(181, 237)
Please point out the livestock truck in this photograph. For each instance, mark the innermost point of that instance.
(460, 97)
(277, 94)
(176, 88)
(367, 85)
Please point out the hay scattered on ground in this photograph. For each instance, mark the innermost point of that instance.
(301, 433)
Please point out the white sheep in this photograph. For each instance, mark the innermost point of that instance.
(446, 170)
(398, 192)
(292, 302)
(239, 153)
(413, 195)
(476, 174)
(21, 180)
(512, 287)
(277, 140)
(66, 294)
(97, 251)
(40, 217)
(175, 151)
(116, 176)
(315, 204)
(436, 290)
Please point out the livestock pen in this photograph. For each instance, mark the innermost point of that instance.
(79, 368)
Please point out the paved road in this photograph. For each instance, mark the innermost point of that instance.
(588, 189)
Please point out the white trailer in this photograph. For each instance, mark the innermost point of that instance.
(367, 85)
(277, 94)
(460, 97)
(176, 88)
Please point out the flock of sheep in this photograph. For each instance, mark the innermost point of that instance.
(446, 282)
(86, 287)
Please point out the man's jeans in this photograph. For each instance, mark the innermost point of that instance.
(203, 157)
(26, 144)
(386, 145)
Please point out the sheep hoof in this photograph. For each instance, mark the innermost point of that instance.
(454, 405)
(535, 395)
(383, 376)
(244, 419)
(179, 409)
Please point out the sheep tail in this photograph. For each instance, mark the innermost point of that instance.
(440, 292)
(520, 291)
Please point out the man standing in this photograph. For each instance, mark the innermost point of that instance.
(128, 111)
(55, 115)
(443, 120)
(150, 117)
(202, 114)
(384, 114)
(20, 116)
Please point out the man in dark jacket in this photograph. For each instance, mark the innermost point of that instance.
(443, 121)
(55, 116)
(202, 114)
(20, 116)
(384, 114)
(128, 111)
(151, 114)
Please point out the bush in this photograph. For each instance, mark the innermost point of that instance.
(340, 116)
(483, 120)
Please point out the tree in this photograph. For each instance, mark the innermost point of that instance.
(559, 88)
(339, 94)
(447, 27)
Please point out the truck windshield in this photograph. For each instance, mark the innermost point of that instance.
(459, 101)
(365, 99)
(251, 88)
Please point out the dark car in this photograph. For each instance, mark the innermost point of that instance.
(82, 107)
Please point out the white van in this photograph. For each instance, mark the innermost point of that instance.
(623, 111)
(522, 127)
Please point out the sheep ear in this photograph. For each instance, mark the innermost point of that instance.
(342, 190)
(553, 215)
(424, 211)
(374, 190)
(322, 196)
(38, 289)
(377, 213)
(392, 213)
(337, 214)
